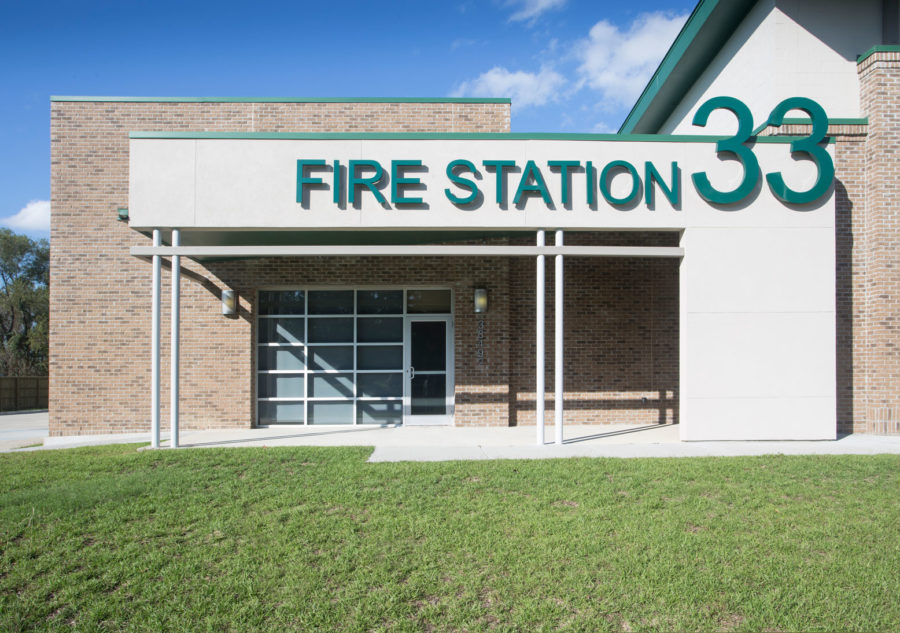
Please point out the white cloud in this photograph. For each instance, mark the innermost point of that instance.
(619, 63)
(603, 127)
(525, 89)
(531, 9)
(34, 216)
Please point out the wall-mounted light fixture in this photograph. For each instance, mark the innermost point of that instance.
(481, 300)
(123, 214)
(229, 302)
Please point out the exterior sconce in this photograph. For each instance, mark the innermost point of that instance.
(481, 300)
(229, 302)
(122, 214)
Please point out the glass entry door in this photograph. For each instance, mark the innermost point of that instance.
(428, 376)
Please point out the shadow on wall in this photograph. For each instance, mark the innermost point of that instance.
(843, 242)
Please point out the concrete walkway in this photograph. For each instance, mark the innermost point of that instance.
(22, 429)
(448, 443)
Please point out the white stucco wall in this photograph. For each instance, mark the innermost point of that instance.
(786, 48)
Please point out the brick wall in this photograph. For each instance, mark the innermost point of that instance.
(622, 314)
(621, 334)
(100, 295)
(880, 248)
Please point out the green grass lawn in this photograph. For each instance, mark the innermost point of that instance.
(280, 539)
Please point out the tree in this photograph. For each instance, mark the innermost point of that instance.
(24, 304)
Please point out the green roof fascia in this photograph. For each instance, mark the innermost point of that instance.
(802, 121)
(282, 99)
(701, 38)
(881, 48)
(447, 136)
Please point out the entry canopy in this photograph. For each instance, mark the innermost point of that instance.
(230, 188)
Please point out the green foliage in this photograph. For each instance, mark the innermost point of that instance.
(291, 539)
(24, 304)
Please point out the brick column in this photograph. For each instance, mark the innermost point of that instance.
(879, 75)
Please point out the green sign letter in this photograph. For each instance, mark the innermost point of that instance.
(458, 180)
(369, 183)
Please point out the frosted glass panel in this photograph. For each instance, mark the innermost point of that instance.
(378, 330)
(283, 358)
(379, 412)
(331, 357)
(331, 386)
(281, 330)
(281, 302)
(331, 302)
(281, 385)
(280, 412)
(331, 412)
(428, 301)
(339, 330)
(379, 385)
(379, 357)
(379, 302)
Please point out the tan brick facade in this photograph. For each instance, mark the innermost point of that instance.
(880, 247)
(100, 295)
(622, 329)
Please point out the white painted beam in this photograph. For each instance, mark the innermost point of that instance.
(430, 250)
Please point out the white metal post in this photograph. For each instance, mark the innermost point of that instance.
(558, 344)
(540, 343)
(176, 327)
(154, 353)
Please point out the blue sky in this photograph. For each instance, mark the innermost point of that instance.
(568, 65)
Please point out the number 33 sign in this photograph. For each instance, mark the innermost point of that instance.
(736, 145)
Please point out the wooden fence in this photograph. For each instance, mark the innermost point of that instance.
(19, 393)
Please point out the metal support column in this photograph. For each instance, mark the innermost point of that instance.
(540, 344)
(558, 344)
(154, 353)
(176, 327)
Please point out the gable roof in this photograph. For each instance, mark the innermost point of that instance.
(700, 40)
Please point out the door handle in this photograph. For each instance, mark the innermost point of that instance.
(412, 372)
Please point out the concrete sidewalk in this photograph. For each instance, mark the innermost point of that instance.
(449, 443)
(22, 429)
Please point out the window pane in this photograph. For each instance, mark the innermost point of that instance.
(379, 302)
(336, 357)
(281, 330)
(338, 330)
(379, 412)
(331, 302)
(428, 394)
(331, 412)
(331, 386)
(428, 345)
(281, 302)
(377, 330)
(280, 412)
(290, 358)
(379, 385)
(380, 357)
(428, 301)
(281, 385)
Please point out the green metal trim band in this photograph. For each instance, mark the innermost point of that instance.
(881, 48)
(800, 121)
(281, 99)
(448, 136)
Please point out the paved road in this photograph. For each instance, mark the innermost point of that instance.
(22, 429)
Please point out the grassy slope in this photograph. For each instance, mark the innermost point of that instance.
(280, 539)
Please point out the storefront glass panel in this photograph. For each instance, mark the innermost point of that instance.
(337, 356)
